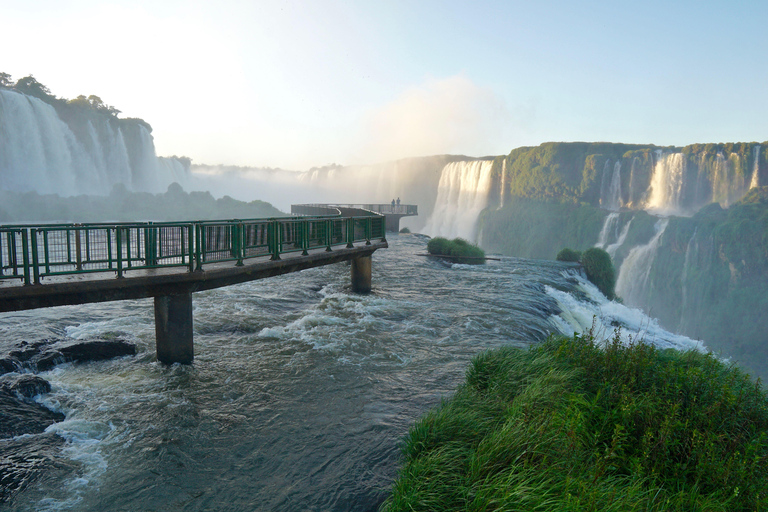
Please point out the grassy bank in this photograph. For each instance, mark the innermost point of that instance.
(570, 426)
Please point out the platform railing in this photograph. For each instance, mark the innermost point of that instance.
(31, 253)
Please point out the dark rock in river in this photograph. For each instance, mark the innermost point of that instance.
(27, 460)
(23, 416)
(44, 355)
(25, 385)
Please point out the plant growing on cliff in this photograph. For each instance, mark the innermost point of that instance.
(577, 424)
(568, 255)
(599, 269)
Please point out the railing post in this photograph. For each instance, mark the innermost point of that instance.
(119, 242)
(25, 248)
(273, 236)
(368, 230)
(35, 259)
(238, 243)
(110, 259)
(78, 251)
(45, 252)
(191, 247)
(350, 232)
(304, 237)
(328, 235)
(199, 247)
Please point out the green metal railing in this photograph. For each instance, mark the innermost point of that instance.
(31, 253)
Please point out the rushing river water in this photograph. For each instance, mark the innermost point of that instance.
(300, 392)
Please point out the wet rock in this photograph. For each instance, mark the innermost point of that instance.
(97, 350)
(23, 416)
(27, 460)
(25, 385)
(44, 355)
(9, 364)
(48, 360)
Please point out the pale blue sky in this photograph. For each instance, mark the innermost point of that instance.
(295, 84)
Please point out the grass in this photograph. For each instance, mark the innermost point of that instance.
(577, 425)
(458, 249)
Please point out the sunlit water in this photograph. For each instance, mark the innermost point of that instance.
(301, 391)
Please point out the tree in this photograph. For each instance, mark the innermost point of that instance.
(5, 80)
(29, 85)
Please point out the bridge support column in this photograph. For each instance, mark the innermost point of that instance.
(361, 274)
(173, 328)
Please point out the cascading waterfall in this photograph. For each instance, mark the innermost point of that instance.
(636, 267)
(605, 184)
(613, 201)
(610, 239)
(503, 186)
(667, 184)
(612, 248)
(755, 182)
(609, 225)
(41, 152)
(461, 195)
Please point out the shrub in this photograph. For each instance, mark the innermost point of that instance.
(458, 249)
(568, 255)
(405, 230)
(599, 269)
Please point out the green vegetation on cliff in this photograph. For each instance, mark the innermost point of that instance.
(597, 266)
(599, 269)
(535, 229)
(458, 250)
(122, 205)
(576, 425)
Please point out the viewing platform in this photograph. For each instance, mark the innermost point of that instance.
(65, 264)
(392, 213)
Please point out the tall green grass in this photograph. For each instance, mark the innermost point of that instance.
(577, 425)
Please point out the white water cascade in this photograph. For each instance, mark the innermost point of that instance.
(667, 184)
(609, 226)
(461, 195)
(756, 169)
(611, 199)
(612, 248)
(503, 183)
(636, 267)
(41, 152)
(610, 238)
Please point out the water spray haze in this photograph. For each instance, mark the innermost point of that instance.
(448, 116)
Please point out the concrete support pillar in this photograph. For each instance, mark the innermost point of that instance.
(361, 274)
(173, 328)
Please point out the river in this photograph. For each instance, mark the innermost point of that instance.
(301, 391)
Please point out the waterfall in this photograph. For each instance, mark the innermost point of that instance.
(612, 248)
(84, 154)
(636, 268)
(608, 226)
(462, 194)
(610, 239)
(755, 168)
(667, 185)
(614, 191)
(604, 184)
(503, 182)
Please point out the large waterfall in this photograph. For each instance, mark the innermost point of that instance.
(86, 153)
(755, 182)
(667, 184)
(461, 195)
